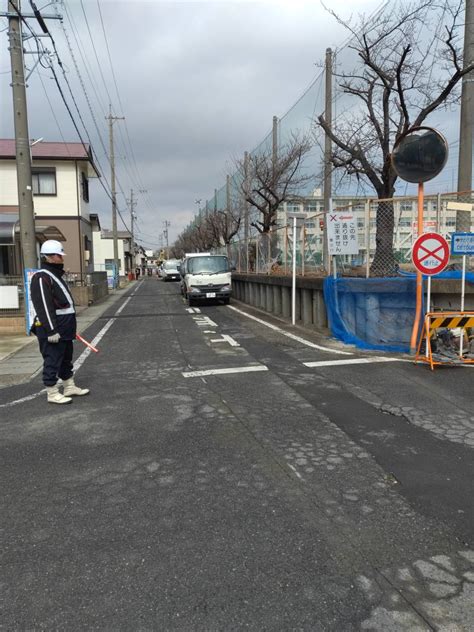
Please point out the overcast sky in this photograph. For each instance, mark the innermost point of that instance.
(198, 83)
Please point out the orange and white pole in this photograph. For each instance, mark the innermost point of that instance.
(419, 276)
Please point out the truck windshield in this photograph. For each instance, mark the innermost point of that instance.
(208, 265)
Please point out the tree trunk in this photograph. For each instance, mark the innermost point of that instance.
(384, 263)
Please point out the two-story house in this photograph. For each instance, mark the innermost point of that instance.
(60, 179)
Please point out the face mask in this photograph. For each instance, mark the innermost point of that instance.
(57, 266)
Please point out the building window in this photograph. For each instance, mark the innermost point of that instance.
(85, 187)
(44, 181)
(292, 207)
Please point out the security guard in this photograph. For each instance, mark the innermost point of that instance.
(55, 323)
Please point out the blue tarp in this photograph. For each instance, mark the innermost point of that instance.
(376, 313)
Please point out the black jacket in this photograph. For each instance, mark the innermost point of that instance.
(53, 303)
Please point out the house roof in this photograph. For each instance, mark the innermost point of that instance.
(50, 151)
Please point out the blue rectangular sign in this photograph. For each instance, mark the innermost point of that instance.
(462, 244)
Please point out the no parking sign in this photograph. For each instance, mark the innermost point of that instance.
(430, 253)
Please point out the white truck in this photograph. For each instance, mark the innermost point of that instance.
(206, 276)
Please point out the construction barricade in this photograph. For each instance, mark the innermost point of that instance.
(447, 338)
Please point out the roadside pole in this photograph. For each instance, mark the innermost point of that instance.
(327, 159)
(22, 142)
(294, 217)
(418, 156)
(111, 120)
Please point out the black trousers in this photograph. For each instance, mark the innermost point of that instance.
(57, 360)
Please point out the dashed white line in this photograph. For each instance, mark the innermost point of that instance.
(237, 369)
(295, 471)
(290, 335)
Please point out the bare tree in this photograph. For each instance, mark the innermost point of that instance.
(270, 180)
(224, 225)
(409, 66)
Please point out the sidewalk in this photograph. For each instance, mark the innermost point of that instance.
(20, 358)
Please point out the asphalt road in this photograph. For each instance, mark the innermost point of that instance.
(214, 481)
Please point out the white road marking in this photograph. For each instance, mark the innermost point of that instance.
(122, 306)
(23, 399)
(237, 369)
(86, 353)
(295, 471)
(77, 364)
(226, 338)
(204, 321)
(353, 361)
(290, 335)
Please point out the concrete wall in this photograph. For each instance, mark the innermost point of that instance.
(273, 295)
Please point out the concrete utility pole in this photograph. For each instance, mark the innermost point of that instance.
(463, 218)
(246, 204)
(132, 218)
(327, 158)
(111, 120)
(22, 141)
(166, 225)
(273, 241)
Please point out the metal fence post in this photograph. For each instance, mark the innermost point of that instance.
(367, 239)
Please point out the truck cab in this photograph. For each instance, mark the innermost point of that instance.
(206, 276)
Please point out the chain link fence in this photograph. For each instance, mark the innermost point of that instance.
(385, 232)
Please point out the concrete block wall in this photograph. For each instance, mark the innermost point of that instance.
(273, 295)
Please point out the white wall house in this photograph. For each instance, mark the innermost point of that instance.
(103, 244)
(60, 178)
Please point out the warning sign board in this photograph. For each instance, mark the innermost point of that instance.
(430, 253)
(342, 234)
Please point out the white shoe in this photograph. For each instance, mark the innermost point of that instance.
(55, 397)
(71, 390)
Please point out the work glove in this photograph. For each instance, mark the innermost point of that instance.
(54, 338)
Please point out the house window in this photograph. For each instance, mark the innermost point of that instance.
(44, 181)
(85, 186)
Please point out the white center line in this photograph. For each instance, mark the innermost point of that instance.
(290, 335)
(353, 361)
(237, 369)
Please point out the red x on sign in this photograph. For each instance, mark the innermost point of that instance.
(430, 253)
(333, 218)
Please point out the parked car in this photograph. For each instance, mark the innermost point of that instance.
(170, 270)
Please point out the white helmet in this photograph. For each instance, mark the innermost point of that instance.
(52, 247)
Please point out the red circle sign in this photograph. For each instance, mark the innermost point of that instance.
(430, 253)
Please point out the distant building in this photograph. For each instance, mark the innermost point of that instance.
(103, 245)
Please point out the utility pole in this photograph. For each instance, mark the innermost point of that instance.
(22, 141)
(132, 217)
(166, 225)
(327, 159)
(246, 209)
(463, 218)
(273, 237)
(111, 120)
